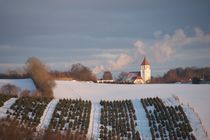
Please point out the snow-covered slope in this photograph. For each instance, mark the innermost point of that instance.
(142, 121)
(6, 106)
(47, 115)
(96, 120)
(198, 96)
(195, 123)
(21, 83)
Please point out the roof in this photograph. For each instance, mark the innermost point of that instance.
(136, 73)
(145, 61)
(138, 77)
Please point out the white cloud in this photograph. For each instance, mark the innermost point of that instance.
(140, 47)
(198, 32)
(162, 52)
(99, 69)
(164, 48)
(121, 61)
(200, 36)
(106, 55)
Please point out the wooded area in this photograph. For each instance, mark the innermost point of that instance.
(183, 75)
(82, 73)
(77, 72)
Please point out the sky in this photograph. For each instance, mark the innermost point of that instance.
(104, 35)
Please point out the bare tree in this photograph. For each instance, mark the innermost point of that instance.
(122, 77)
(25, 93)
(11, 130)
(39, 74)
(82, 73)
(9, 89)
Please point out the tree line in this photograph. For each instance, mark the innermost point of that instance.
(77, 72)
(188, 74)
(44, 79)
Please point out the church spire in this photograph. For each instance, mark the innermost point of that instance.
(145, 70)
(145, 61)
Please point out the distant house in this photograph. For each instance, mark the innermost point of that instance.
(107, 78)
(138, 80)
(131, 77)
(107, 75)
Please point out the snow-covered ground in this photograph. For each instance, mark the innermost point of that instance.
(90, 128)
(6, 106)
(142, 121)
(193, 118)
(96, 120)
(21, 83)
(197, 96)
(47, 115)
(171, 101)
(195, 122)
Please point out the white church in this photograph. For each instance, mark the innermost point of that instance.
(145, 71)
(143, 76)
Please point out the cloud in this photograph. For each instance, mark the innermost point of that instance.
(164, 47)
(106, 55)
(162, 52)
(99, 69)
(140, 47)
(200, 36)
(121, 61)
(199, 33)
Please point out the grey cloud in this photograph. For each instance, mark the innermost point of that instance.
(70, 30)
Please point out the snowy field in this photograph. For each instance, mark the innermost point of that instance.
(47, 115)
(6, 106)
(197, 96)
(21, 83)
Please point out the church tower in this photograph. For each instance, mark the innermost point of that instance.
(145, 70)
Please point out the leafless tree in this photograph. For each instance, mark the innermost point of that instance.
(82, 73)
(40, 75)
(9, 89)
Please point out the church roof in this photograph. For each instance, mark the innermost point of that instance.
(136, 73)
(145, 62)
(138, 77)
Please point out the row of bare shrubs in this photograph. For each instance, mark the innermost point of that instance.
(13, 130)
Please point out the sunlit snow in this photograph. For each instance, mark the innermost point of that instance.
(197, 96)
